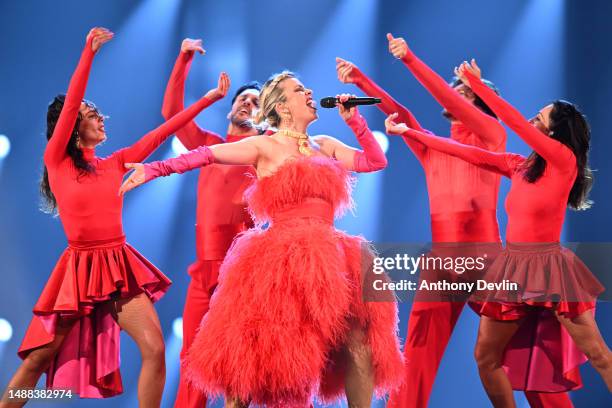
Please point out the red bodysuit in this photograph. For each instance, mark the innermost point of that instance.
(535, 215)
(220, 215)
(464, 210)
(463, 204)
(98, 265)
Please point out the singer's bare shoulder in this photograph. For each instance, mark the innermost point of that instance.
(327, 144)
(323, 139)
(256, 140)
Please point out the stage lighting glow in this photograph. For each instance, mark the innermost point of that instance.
(6, 330)
(177, 327)
(382, 140)
(177, 146)
(5, 146)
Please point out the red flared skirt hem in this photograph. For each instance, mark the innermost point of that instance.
(87, 275)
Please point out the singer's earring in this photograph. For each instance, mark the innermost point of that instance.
(78, 141)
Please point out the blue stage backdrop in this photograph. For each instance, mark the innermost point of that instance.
(535, 51)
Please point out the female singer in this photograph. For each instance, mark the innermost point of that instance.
(288, 319)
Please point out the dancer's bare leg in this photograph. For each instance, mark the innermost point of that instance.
(138, 318)
(585, 333)
(235, 403)
(359, 381)
(36, 363)
(493, 337)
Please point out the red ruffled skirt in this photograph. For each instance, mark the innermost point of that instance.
(87, 274)
(550, 279)
(278, 322)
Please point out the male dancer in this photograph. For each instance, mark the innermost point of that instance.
(463, 203)
(221, 212)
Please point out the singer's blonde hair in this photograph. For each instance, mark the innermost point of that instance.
(270, 95)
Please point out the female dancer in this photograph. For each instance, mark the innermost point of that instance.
(555, 175)
(100, 284)
(287, 319)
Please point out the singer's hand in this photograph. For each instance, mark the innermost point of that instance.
(191, 45)
(397, 46)
(345, 113)
(472, 68)
(393, 128)
(345, 70)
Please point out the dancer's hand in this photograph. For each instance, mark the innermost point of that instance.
(393, 128)
(220, 91)
(191, 45)
(397, 46)
(345, 113)
(345, 70)
(99, 36)
(472, 68)
(136, 178)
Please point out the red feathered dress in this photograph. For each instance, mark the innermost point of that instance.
(288, 295)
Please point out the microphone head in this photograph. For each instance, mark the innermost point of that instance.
(328, 102)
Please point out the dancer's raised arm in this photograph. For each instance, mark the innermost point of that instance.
(140, 150)
(56, 147)
(502, 163)
(349, 73)
(553, 151)
(191, 135)
(485, 126)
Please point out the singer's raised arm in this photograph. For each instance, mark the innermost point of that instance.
(371, 158)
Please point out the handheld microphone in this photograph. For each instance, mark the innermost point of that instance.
(330, 102)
